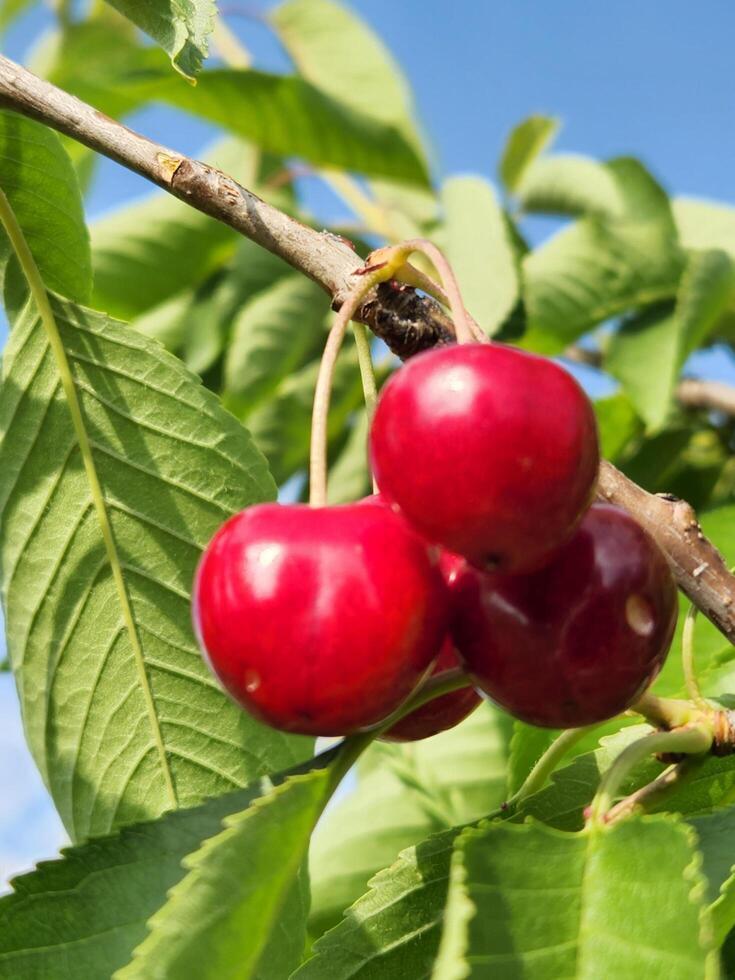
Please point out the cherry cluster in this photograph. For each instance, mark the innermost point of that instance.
(482, 550)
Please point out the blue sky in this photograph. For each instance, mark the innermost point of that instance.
(650, 79)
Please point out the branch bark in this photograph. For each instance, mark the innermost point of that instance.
(407, 322)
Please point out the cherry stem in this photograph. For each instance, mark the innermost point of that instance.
(691, 739)
(687, 658)
(367, 372)
(652, 793)
(322, 394)
(666, 713)
(542, 770)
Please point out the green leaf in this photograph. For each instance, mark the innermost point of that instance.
(81, 917)
(181, 27)
(525, 142)
(527, 745)
(480, 250)
(394, 930)
(666, 337)
(145, 253)
(289, 116)
(349, 478)
(625, 901)
(121, 713)
(601, 267)
(239, 912)
(618, 424)
(340, 55)
(272, 336)
(404, 793)
(715, 834)
(570, 184)
(39, 181)
(281, 427)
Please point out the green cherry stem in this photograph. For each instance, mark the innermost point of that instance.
(539, 774)
(691, 740)
(687, 658)
(367, 372)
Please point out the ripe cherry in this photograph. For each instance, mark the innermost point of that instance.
(319, 620)
(443, 712)
(578, 641)
(490, 451)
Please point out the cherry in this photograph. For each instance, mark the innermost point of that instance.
(578, 641)
(490, 451)
(319, 620)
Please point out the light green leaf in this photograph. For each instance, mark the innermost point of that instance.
(181, 27)
(349, 478)
(340, 55)
(404, 793)
(618, 424)
(121, 713)
(480, 250)
(570, 184)
(525, 142)
(601, 267)
(289, 116)
(704, 224)
(39, 181)
(272, 336)
(147, 252)
(234, 915)
(626, 901)
(665, 337)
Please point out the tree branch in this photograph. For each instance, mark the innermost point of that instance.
(407, 322)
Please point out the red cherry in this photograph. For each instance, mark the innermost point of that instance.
(578, 641)
(490, 451)
(319, 620)
(441, 713)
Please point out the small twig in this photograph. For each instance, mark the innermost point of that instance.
(650, 795)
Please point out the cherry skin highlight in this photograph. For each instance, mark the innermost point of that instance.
(322, 620)
(487, 450)
(440, 714)
(578, 641)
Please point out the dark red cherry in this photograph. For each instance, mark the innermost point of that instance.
(319, 620)
(490, 451)
(441, 713)
(578, 641)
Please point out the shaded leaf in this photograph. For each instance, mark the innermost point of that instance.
(525, 142)
(625, 901)
(527, 745)
(240, 910)
(272, 336)
(480, 250)
(716, 833)
(601, 267)
(340, 55)
(146, 253)
(39, 181)
(666, 337)
(121, 713)
(181, 27)
(404, 793)
(570, 184)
